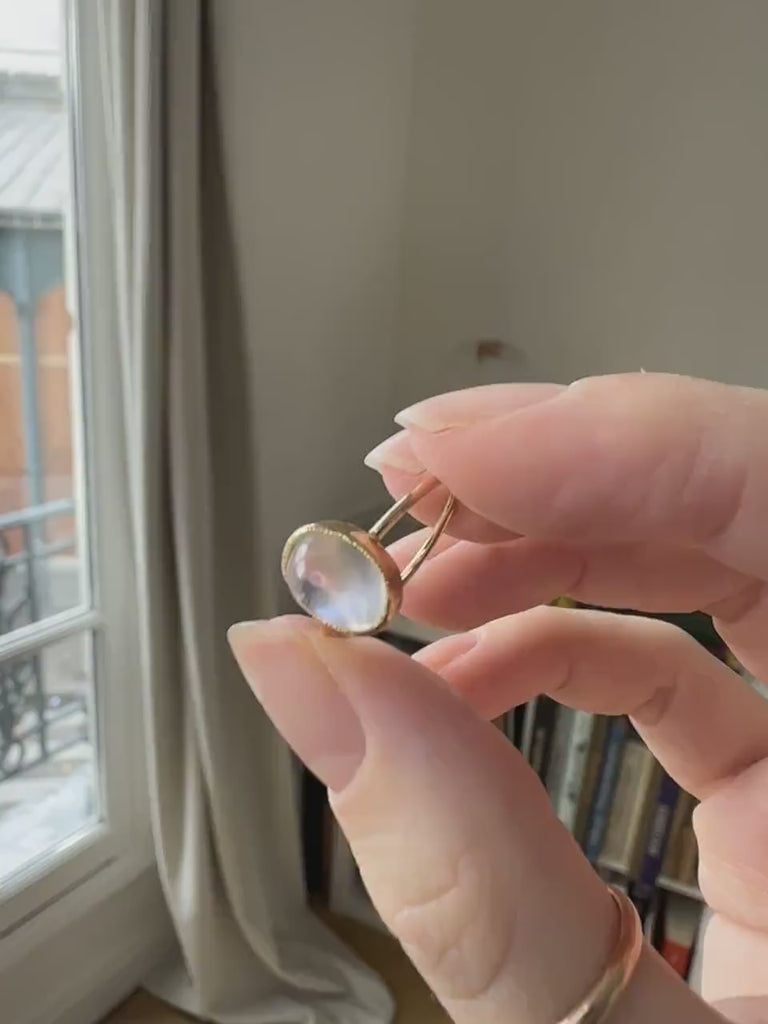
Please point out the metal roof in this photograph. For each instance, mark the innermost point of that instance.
(33, 165)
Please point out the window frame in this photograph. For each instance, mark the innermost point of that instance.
(100, 858)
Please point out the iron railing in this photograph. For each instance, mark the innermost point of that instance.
(29, 710)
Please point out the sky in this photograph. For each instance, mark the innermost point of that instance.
(30, 36)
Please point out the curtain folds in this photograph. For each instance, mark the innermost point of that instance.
(222, 785)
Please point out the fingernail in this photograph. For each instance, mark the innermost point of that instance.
(428, 416)
(394, 453)
(301, 697)
(462, 408)
(442, 654)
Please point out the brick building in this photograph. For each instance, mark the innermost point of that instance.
(35, 421)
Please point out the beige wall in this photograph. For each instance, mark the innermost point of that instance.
(314, 100)
(584, 180)
(589, 182)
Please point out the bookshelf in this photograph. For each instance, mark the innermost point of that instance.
(681, 888)
(670, 902)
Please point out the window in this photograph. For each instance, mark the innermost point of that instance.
(48, 740)
(69, 722)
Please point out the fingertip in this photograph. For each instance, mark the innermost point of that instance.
(462, 408)
(282, 661)
(394, 453)
(241, 636)
(443, 654)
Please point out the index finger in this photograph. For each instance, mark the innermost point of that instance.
(638, 457)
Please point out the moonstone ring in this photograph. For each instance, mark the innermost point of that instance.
(343, 576)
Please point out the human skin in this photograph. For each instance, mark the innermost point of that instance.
(643, 491)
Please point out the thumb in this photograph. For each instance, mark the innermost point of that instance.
(455, 837)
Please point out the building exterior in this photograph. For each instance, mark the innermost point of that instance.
(35, 433)
(39, 573)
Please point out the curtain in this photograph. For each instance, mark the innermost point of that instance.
(222, 786)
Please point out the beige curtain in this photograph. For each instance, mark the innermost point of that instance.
(222, 787)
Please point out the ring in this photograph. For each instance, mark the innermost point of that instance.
(602, 997)
(343, 576)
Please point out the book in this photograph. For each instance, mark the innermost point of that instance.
(652, 919)
(543, 722)
(597, 818)
(681, 924)
(527, 739)
(632, 803)
(574, 767)
(591, 776)
(644, 887)
(516, 724)
(688, 866)
(680, 819)
(555, 773)
(696, 966)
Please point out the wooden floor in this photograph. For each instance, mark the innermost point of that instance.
(415, 1003)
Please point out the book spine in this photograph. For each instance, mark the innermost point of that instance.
(687, 866)
(683, 811)
(515, 720)
(530, 716)
(620, 817)
(650, 921)
(542, 735)
(677, 955)
(645, 790)
(597, 821)
(567, 805)
(650, 866)
(681, 924)
(591, 776)
(696, 967)
(632, 805)
(561, 740)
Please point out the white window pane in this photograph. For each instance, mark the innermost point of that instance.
(48, 751)
(42, 566)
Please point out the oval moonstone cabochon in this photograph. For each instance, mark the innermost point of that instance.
(335, 581)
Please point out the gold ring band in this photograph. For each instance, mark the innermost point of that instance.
(401, 509)
(344, 577)
(606, 991)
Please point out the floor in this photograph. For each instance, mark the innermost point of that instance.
(415, 1003)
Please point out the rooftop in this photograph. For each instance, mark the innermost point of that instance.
(33, 164)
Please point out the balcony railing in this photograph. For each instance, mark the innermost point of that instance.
(33, 709)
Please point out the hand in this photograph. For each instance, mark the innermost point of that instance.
(642, 491)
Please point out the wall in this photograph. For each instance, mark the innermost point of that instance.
(314, 101)
(586, 181)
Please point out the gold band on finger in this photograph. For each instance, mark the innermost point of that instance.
(604, 994)
(343, 576)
